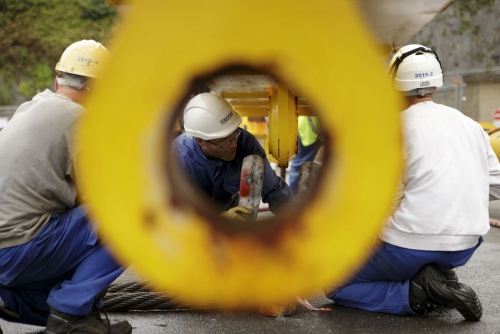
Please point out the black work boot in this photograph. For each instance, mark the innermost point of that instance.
(61, 323)
(419, 302)
(433, 283)
(451, 278)
(470, 307)
(467, 302)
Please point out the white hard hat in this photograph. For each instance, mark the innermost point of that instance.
(84, 58)
(209, 116)
(415, 67)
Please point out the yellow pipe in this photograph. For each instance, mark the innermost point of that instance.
(132, 186)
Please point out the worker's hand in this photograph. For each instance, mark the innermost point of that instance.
(239, 213)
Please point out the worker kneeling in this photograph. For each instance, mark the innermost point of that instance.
(54, 270)
(211, 152)
(441, 207)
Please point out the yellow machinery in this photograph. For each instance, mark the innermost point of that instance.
(487, 126)
(319, 54)
(495, 140)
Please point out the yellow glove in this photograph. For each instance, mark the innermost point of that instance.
(239, 213)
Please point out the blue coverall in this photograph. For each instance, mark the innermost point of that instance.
(220, 180)
(382, 284)
(64, 265)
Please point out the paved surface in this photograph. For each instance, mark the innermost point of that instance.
(482, 273)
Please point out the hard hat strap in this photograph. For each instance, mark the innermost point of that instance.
(394, 67)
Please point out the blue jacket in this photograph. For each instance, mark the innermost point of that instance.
(221, 179)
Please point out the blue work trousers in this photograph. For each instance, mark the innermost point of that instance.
(382, 285)
(64, 266)
(304, 154)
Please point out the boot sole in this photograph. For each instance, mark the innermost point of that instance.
(463, 298)
(468, 303)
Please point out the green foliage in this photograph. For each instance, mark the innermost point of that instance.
(43, 77)
(35, 32)
(95, 9)
(469, 8)
(473, 6)
(464, 24)
(476, 31)
(5, 89)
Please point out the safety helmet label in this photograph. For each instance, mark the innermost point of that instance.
(423, 75)
(225, 119)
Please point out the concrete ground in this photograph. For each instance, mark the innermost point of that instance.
(482, 273)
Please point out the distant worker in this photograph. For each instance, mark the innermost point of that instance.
(211, 152)
(308, 147)
(440, 211)
(54, 270)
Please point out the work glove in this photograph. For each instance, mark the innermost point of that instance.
(238, 213)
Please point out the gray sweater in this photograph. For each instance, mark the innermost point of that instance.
(36, 158)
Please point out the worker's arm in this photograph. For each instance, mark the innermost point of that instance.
(275, 191)
(74, 174)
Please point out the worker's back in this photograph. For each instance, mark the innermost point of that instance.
(444, 204)
(35, 166)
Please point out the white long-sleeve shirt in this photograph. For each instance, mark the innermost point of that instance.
(451, 173)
